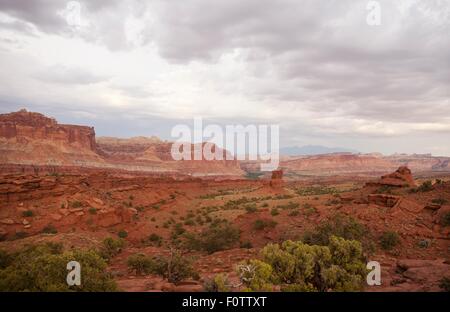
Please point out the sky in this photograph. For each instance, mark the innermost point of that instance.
(316, 68)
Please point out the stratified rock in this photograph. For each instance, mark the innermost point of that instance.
(383, 200)
(401, 177)
(277, 178)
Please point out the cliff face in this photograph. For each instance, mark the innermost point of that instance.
(28, 138)
(24, 126)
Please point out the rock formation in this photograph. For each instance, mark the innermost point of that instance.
(401, 177)
(28, 138)
(24, 126)
(277, 178)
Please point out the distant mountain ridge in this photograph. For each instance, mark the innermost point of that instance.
(314, 150)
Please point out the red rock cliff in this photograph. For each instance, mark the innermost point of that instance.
(24, 126)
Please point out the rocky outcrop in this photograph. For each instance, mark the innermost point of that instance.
(24, 126)
(401, 177)
(383, 200)
(277, 178)
(32, 139)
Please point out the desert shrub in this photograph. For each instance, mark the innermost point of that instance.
(289, 205)
(256, 275)
(76, 204)
(218, 236)
(424, 243)
(316, 190)
(265, 205)
(140, 264)
(174, 268)
(49, 229)
(337, 225)
(43, 268)
(27, 213)
(153, 239)
(92, 211)
(178, 229)
(389, 240)
(384, 189)
(309, 209)
(293, 213)
(246, 245)
(122, 234)
(219, 283)
(332, 202)
(425, 186)
(445, 220)
(444, 283)
(5, 259)
(19, 235)
(189, 222)
(296, 266)
(274, 212)
(111, 247)
(251, 208)
(261, 224)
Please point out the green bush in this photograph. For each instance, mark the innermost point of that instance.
(76, 204)
(389, 240)
(92, 210)
(251, 208)
(20, 235)
(178, 229)
(296, 266)
(218, 283)
(219, 236)
(274, 212)
(122, 234)
(27, 213)
(140, 264)
(43, 268)
(246, 245)
(49, 229)
(425, 186)
(260, 224)
(289, 206)
(445, 220)
(155, 239)
(444, 283)
(111, 247)
(337, 225)
(174, 268)
(5, 259)
(256, 275)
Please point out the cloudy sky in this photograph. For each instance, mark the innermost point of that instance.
(315, 67)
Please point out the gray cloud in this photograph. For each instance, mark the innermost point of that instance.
(68, 75)
(324, 50)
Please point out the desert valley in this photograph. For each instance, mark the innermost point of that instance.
(155, 224)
